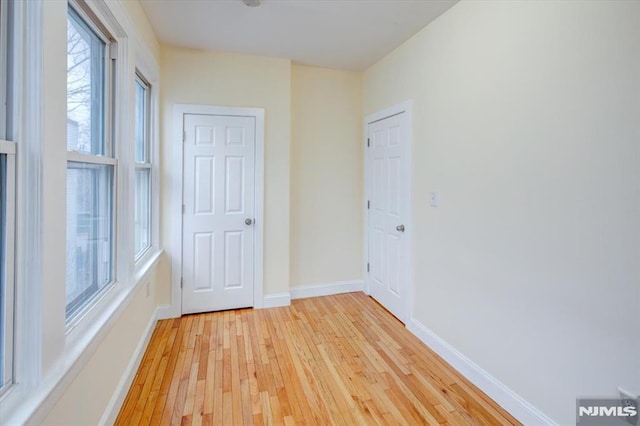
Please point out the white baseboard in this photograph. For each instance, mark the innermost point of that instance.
(165, 312)
(112, 410)
(505, 397)
(316, 290)
(496, 390)
(276, 300)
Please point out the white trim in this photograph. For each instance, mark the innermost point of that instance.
(86, 313)
(146, 266)
(327, 289)
(179, 110)
(107, 17)
(44, 374)
(28, 253)
(176, 213)
(12, 48)
(146, 65)
(78, 157)
(143, 166)
(407, 109)
(258, 271)
(147, 165)
(165, 312)
(276, 300)
(496, 390)
(9, 273)
(113, 408)
(5, 37)
(365, 209)
(34, 408)
(7, 147)
(117, 133)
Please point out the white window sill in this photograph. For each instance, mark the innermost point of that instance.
(20, 405)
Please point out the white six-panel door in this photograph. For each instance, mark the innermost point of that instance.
(388, 207)
(219, 208)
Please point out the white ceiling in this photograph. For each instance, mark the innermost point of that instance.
(342, 34)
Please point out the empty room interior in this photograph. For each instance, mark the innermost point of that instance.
(319, 212)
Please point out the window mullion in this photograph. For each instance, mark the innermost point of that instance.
(79, 157)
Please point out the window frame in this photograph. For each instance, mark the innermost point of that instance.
(8, 18)
(48, 352)
(5, 33)
(88, 20)
(146, 164)
(106, 158)
(8, 234)
(8, 225)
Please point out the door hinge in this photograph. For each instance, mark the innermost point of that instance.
(368, 204)
(184, 136)
(183, 209)
(181, 282)
(368, 142)
(368, 267)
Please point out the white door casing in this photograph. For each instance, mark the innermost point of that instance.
(388, 224)
(221, 159)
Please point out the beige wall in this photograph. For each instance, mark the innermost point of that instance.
(531, 138)
(84, 402)
(326, 176)
(226, 79)
(526, 120)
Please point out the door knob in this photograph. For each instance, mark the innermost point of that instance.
(400, 228)
(248, 221)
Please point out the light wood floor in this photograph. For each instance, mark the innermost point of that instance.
(329, 360)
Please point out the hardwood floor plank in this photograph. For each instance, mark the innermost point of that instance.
(174, 384)
(209, 384)
(235, 372)
(198, 406)
(147, 397)
(134, 406)
(335, 360)
(227, 409)
(171, 350)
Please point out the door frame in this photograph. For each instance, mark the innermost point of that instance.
(404, 108)
(179, 110)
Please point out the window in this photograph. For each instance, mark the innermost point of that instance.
(7, 249)
(91, 165)
(143, 167)
(7, 196)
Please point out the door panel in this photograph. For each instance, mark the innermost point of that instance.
(203, 254)
(234, 185)
(388, 196)
(219, 195)
(233, 257)
(205, 182)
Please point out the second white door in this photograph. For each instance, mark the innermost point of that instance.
(218, 212)
(387, 184)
